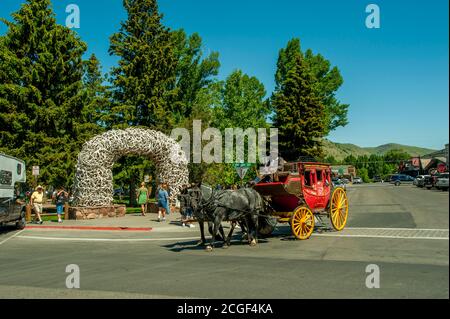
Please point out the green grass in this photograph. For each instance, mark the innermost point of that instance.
(125, 201)
(133, 210)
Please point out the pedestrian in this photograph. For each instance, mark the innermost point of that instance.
(163, 202)
(186, 207)
(168, 203)
(36, 201)
(142, 198)
(60, 197)
(184, 203)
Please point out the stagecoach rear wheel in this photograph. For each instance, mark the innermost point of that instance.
(302, 222)
(338, 212)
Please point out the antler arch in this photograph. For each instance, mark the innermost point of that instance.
(93, 184)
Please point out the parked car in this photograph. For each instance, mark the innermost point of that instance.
(357, 180)
(338, 182)
(398, 179)
(442, 181)
(377, 179)
(428, 182)
(419, 180)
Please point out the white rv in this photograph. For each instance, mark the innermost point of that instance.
(12, 176)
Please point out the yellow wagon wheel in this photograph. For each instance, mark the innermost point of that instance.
(339, 208)
(302, 222)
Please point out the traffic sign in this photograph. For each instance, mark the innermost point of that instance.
(241, 171)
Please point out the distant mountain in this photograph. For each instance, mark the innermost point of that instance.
(341, 150)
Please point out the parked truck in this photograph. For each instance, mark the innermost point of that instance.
(12, 180)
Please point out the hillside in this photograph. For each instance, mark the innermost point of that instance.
(340, 151)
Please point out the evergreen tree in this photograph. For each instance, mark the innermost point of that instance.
(328, 81)
(96, 102)
(144, 80)
(299, 114)
(41, 104)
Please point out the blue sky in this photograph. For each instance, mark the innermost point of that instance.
(396, 77)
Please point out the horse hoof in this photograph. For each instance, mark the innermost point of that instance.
(253, 243)
(225, 246)
(208, 248)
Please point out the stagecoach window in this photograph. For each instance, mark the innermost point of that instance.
(19, 169)
(319, 176)
(5, 177)
(308, 178)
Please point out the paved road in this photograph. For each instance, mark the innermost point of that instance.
(403, 230)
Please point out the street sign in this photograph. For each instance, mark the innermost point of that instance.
(35, 170)
(242, 171)
(242, 168)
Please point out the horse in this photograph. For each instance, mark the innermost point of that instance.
(239, 206)
(191, 198)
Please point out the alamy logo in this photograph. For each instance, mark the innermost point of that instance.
(373, 19)
(73, 279)
(236, 146)
(73, 19)
(373, 279)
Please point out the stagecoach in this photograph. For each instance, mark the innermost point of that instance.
(298, 194)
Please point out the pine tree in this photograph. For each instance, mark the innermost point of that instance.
(145, 77)
(328, 80)
(95, 110)
(299, 114)
(41, 106)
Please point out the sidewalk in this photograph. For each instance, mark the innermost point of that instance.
(129, 221)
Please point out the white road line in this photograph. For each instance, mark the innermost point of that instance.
(11, 237)
(419, 229)
(193, 238)
(104, 239)
(381, 236)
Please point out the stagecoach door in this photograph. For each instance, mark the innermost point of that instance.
(309, 187)
(316, 184)
(323, 187)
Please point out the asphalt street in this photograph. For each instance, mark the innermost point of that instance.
(402, 230)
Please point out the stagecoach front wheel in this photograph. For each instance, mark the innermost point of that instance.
(302, 222)
(338, 209)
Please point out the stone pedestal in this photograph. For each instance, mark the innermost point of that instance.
(97, 212)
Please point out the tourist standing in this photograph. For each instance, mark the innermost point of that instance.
(163, 202)
(36, 201)
(60, 196)
(142, 198)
